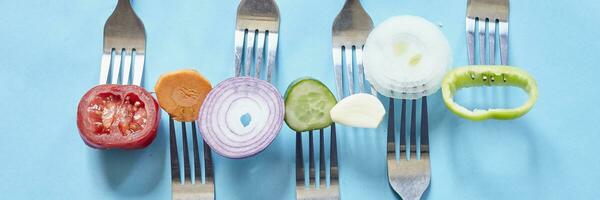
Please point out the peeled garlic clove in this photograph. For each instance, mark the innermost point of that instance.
(358, 110)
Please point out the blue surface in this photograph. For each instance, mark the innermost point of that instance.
(51, 55)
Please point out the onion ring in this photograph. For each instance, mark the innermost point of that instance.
(221, 118)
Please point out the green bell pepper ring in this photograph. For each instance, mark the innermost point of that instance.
(476, 76)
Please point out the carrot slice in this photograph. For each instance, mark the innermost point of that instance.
(181, 93)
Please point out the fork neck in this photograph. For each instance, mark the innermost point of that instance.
(350, 3)
(124, 5)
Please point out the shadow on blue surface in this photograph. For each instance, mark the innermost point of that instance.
(123, 172)
(250, 173)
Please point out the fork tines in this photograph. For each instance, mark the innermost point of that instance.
(124, 45)
(415, 149)
(350, 30)
(409, 176)
(201, 184)
(345, 54)
(256, 37)
(492, 14)
(317, 186)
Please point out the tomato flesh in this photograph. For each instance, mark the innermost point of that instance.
(117, 116)
(109, 111)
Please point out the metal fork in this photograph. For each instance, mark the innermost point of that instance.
(409, 177)
(494, 14)
(124, 45)
(201, 186)
(350, 30)
(256, 20)
(257, 26)
(320, 188)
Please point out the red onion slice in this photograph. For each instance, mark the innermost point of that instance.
(220, 119)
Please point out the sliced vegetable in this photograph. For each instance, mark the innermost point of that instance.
(117, 116)
(359, 110)
(475, 76)
(241, 116)
(181, 93)
(307, 105)
(406, 57)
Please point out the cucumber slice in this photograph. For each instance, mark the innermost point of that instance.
(406, 57)
(307, 105)
(476, 76)
(359, 110)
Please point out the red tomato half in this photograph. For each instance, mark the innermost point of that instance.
(118, 116)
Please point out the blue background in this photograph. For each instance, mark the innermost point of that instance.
(51, 55)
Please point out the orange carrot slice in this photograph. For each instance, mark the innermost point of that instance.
(181, 93)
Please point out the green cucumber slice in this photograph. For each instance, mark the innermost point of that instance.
(476, 76)
(307, 105)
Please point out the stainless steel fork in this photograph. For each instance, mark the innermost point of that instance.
(201, 185)
(350, 30)
(494, 15)
(124, 45)
(321, 188)
(257, 27)
(409, 177)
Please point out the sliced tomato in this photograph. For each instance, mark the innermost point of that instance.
(118, 116)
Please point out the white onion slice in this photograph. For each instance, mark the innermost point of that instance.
(221, 117)
(406, 57)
